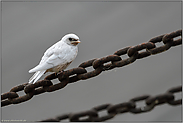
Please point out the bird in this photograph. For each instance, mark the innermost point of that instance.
(57, 58)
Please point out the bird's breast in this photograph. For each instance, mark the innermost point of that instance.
(65, 58)
(59, 67)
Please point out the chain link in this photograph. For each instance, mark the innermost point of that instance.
(99, 65)
(130, 106)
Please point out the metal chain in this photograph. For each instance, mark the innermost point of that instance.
(124, 107)
(80, 73)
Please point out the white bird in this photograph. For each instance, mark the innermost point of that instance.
(57, 57)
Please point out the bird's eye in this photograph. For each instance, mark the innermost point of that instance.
(70, 39)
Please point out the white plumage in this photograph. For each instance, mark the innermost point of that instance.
(57, 57)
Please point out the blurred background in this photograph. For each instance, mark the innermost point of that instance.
(29, 28)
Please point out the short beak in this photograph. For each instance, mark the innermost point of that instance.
(76, 42)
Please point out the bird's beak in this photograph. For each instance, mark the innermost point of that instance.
(76, 42)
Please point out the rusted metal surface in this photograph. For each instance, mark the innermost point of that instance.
(151, 102)
(99, 65)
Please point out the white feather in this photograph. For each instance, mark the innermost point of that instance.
(60, 54)
(36, 76)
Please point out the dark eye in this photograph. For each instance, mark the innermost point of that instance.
(70, 39)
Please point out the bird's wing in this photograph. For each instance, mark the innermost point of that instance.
(49, 52)
(52, 61)
(51, 58)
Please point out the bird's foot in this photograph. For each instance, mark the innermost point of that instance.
(60, 72)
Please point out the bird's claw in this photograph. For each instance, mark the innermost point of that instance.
(60, 72)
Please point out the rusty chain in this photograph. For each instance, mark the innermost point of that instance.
(80, 73)
(92, 115)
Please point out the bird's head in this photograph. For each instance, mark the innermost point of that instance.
(71, 39)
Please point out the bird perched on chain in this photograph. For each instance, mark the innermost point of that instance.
(57, 57)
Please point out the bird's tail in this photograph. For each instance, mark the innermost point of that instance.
(36, 76)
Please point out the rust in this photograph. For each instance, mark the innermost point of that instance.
(92, 115)
(80, 73)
